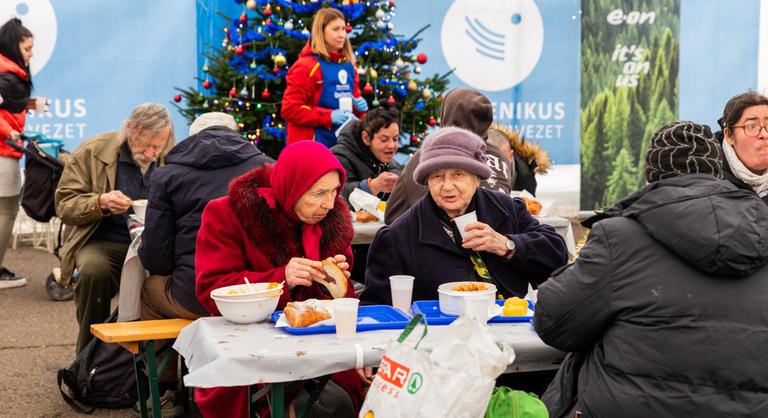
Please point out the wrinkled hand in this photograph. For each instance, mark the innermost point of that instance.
(299, 271)
(339, 116)
(481, 237)
(384, 182)
(341, 262)
(115, 202)
(366, 375)
(360, 104)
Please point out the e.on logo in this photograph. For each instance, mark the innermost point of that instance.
(493, 45)
(393, 372)
(38, 16)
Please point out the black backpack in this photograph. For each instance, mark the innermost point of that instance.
(102, 376)
(41, 176)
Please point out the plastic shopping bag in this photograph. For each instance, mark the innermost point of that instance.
(508, 403)
(455, 380)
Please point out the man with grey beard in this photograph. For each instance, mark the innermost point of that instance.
(101, 180)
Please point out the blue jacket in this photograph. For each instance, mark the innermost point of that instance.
(197, 171)
(416, 244)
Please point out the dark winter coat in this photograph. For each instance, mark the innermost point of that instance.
(667, 305)
(358, 160)
(416, 244)
(197, 170)
(15, 89)
(241, 236)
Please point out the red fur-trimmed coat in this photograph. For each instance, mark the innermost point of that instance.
(241, 236)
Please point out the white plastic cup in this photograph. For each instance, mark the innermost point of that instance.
(345, 103)
(41, 104)
(464, 220)
(345, 316)
(401, 286)
(476, 307)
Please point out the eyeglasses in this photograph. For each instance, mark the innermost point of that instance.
(753, 128)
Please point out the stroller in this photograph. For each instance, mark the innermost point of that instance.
(42, 171)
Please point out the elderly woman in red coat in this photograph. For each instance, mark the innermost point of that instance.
(276, 224)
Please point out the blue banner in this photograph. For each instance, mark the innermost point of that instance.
(97, 60)
(523, 55)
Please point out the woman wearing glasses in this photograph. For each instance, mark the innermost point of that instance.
(745, 142)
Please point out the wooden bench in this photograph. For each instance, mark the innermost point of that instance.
(139, 338)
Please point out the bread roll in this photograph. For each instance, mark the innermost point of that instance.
(335, 280)
(363, 216)
(304, 314)
(533, 205)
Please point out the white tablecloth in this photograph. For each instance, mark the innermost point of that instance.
(365, 231)
(220, 353)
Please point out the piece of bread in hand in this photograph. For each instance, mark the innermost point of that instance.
(335, 280)
(363, 215)
(306, 313)
(533, 205)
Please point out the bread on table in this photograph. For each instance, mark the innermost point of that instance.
(334, 281)
(363, 215)
(533, 205)
(306, 313)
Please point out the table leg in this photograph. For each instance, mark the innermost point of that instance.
(278, 400)
(138, 368)
(314, 395)
(154, 390)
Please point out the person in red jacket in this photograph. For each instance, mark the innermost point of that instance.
(276, 224)
(324, 73)
(16, 42)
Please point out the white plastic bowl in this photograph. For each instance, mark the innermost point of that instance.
(140, 208)
(452, 301)
(243, 292)
(247, 311)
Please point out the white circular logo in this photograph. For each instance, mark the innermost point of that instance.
(343, 77)
(493, 45)
(37, 16)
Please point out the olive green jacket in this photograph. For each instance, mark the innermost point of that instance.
(90, 171)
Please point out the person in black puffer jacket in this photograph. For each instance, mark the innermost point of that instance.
(197, 170)
(664, 310)
(367, 150)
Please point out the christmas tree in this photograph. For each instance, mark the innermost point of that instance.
(246, 76)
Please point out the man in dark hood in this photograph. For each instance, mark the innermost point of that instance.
(664, 310)
(462, 108)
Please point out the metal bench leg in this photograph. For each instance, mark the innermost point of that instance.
(138, 367)
(154, 390)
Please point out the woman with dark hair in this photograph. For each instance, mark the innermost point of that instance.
(367, 150)
(16, 44)
(323, 74)
(744, 132)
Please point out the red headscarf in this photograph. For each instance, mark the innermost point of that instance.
(299, 166)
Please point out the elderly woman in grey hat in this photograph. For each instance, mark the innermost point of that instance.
(506, 246)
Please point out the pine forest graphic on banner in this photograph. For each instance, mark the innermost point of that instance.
(629, 89)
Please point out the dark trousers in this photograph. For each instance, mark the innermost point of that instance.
(98, 264)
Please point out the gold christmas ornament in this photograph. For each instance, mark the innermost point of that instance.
(427, 93)
(412, 86)
(373, 73)
(279, 60)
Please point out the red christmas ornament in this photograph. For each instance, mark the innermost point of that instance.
(206, 84)
(239, 50)
(233, 92)
(348, 28)
(391, 3)
(268, 11)
(414, 138)
(177, 98)
(391, 100)
(243, 18)
(367, 88)
(432, 121)
(276, 70)
(421, 58)
(265, 94)
(268, 22)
